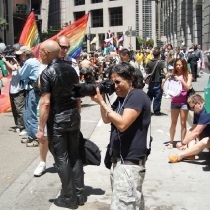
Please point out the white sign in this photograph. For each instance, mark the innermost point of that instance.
(163, 39)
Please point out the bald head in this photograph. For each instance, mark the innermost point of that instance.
(49, 50)
(62, 38)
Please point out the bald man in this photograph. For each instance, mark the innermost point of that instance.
(62, 115)
(64, 44)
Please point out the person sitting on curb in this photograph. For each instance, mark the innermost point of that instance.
(200, 129)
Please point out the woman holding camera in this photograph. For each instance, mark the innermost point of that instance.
(130, 117)
(179, 103)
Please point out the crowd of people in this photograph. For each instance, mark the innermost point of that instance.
(46, 86)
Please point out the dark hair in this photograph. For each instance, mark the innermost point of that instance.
(156, 52)
(170, 45)
(184, 69)
(126, 71)
(125, 51)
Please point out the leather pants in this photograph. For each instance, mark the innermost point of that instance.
(64, 146)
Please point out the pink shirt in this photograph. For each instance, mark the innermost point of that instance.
(182, 98)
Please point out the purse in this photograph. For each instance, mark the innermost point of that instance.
(108, 156)
(148, 78)
(190, 92)
(89, 152)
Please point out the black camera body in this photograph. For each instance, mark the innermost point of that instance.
(82, 90)
(8, 53)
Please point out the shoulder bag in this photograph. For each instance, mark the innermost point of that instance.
(148, 78)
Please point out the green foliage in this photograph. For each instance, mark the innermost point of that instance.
(141, 43)
(3, 22)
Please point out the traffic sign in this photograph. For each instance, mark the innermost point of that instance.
(130, 33)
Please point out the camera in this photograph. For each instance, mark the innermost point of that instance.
(82, 90)
(8, 53)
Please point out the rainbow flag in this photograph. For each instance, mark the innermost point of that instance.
(30, 35)
(75, 32)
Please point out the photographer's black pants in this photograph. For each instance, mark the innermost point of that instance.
(63, 137)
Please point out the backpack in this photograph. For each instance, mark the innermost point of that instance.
(89, 152)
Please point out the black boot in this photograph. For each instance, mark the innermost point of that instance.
(63, 202)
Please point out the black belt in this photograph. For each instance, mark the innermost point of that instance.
(127, 162)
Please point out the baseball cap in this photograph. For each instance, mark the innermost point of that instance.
(24, 50)
(190, 50)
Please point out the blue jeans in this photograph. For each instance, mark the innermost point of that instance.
(29, 114)
(155, 92)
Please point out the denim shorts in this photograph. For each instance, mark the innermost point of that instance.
(179, 106)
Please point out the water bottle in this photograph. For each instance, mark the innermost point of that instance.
(3, 68)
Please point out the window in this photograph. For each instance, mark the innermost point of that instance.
(79, 2)
(22, 8)
(97, 18)
(115, 15)
(78, 15)
(96, 1)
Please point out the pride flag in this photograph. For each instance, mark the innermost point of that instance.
(30, 35)
(75, 32)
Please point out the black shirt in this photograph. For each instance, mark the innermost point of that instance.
(158, 70)
(134, 138)
(58, 79)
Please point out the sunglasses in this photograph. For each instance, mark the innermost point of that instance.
(64, 47)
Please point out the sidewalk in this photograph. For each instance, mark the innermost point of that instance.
(166, 186)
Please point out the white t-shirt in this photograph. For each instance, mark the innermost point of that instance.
(15, 82)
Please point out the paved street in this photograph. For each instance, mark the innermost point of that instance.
(166, 187)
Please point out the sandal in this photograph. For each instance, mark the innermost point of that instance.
(170, 146)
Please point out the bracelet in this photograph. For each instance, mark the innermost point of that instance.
(183, 143)
(108, 111)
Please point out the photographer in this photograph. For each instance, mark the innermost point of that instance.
(16, 92)
(129, 117)
(28, 76)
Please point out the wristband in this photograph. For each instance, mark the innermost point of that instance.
(108, 111)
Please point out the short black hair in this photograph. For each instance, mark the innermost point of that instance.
(125, 51)
(156, 52)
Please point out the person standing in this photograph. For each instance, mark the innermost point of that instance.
(154, 90)
(29, 73)
(192, 60)
(62, 115)
(170, 58)
(179, 103)
(130, 117)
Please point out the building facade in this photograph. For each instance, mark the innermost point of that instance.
(104, 15)
(187, 20)
(6, 12)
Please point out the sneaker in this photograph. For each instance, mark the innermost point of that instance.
(159, 114)
(17, 130)
(167, 97)
(23, 133)
(174, 159)
(40, 169)
(33, 143)
(24, 141)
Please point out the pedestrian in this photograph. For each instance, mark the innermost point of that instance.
(16, 92)
(200, 129)
(155, 90)
(64, 44)
(192, 60)
(130, 117)
(179, 103)
(62, 115)
(28, 75)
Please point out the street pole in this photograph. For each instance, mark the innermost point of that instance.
(130, 29)
(159, 20)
